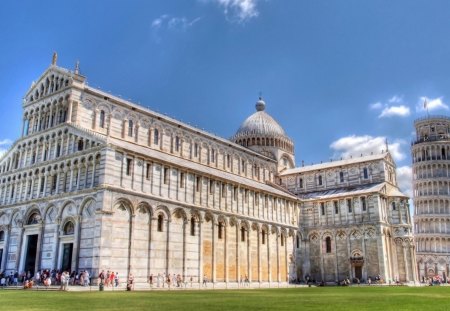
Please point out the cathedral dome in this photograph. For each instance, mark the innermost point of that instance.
(260, 124)
(263, 134)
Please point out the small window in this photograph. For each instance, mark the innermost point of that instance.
(228, 161)
(220, 231)
(195, 150)
(192, 226)
(328, 244)
(198, 183)
(365, 173)
(320, 180)
(349, 205)
(130, 128)
(224, 190)
(300, 181)
(80, 145)
(156, 137)
(58, 150)
(129, 165)
(148, 171)
(181, 180)
(166, 175)
(282, 240)
(42, 184)
(336, 207)
(177, 143)
(213, 155)
(297, 240)
(160, 223)
(102, 119)
(363, 204)
(263, 237)
(341, 177)
(211, 186)
(235, 192)
(394, 207)
(322, 208)
(243, 232)
(2, 236)
(243, 166)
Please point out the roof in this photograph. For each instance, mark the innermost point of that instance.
(168, 119)
(193, 166)
(342, 192)
(260, 124)
(332, 164)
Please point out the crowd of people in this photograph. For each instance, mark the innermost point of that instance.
(45, 278)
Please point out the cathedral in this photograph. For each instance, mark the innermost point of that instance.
(96, 182)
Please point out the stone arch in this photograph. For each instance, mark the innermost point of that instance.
(164, 210)
(87, 205)
(125, 203)
(34, 210)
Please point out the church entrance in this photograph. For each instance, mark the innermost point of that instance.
(30, 258)
(358, 272)
(67, 257)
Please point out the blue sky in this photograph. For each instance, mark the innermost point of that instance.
(339, 76)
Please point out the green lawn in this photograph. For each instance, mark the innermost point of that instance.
(315, 298)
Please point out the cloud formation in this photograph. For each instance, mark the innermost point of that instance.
(392, 111)
(4, 146)
(356, 145)
(173, 23)
(393, 107)
(431, 104)
(404, 180)
(238, 10)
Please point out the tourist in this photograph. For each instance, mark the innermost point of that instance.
(191, 279)
(111, 279)
(3, 281)
(130, 282)
(101, 276)
(150, 281)
(116, 279)
(205, 280)
(108, 275)
(63, 281)
(158, 280)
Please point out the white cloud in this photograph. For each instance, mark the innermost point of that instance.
(432, 104)
(4, 146)
(375, 106)
(238, 10)
(395, 111)
(396, 99)
(173, 23)
(356, 145)
(404, 180)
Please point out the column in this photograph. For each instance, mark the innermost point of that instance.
(69, 111)
(213, 224)
(200, 255)
(259, 255)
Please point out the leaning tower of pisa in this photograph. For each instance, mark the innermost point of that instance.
(431, 181)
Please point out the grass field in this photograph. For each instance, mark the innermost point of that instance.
(315, 298)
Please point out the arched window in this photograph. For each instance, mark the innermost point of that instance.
(69, 228)
(394, 207)
(220, 230)
(282, 240)
(341, 176)
(243, 231)
(319, 180)
(102, 119)
(160, 223)
(365, 173)
(80, 145)
(130, 128)
(156, 137)
(34, 219)
(297, 240)
(2, 236)
(263, 237)
(192, 226)
(328, 244)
